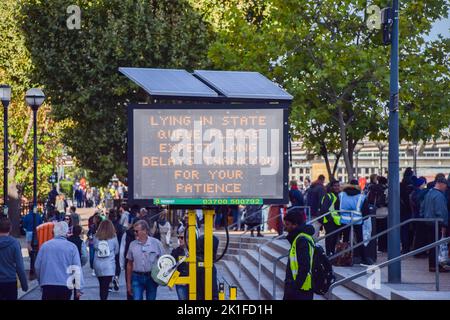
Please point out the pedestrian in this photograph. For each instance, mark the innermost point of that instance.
(330, 203)
(57, 265)
(163, 227)
(60, 206)
(415, 199)
(315, 195)
(295, 196)
(106, 248)
(76, 219)
(30, 221)
(75, 238)
(406, 187)
(381, 223)
(143, 253)
(298, 282)
(435, 206)
(124, 216)
(68, 220)
(275, 220)
(354, 201)
(253, 217)
(179, 254)
(11, 263)
(119, 233)
(128, 237)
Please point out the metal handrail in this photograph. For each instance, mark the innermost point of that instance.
(281, 236)
(436, 221)
(274, 290)
(389, 262)
(237, 223)
(242, 234)
(353, 246)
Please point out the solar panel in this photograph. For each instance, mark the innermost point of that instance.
(242, 84)
(168, 82)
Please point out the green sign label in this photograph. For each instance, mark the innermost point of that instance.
(208, 202)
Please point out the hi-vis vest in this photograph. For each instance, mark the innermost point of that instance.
(335, 215)
(307, 285)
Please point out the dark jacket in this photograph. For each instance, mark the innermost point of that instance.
(292, 287)
(11, 262)
(76, 240)
(296, 198)
(405, 190)
(315, 194)
(178, 254)
(28, 221)
(435, 206)
(253, 215)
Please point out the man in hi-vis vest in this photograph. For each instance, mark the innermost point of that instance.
(330, 203)
(298, 282)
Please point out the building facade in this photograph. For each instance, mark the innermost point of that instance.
(431, 158)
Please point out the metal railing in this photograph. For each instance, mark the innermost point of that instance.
(353, 246)
(264, 222)
(436, 244)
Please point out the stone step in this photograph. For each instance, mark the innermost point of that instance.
(248, 288)
(360, 286)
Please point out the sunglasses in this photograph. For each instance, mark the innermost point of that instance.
(136, 231)
(180, 237)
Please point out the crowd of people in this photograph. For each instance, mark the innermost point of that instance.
(345, 203)
(131, 240)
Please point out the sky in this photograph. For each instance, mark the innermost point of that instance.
(440, 27)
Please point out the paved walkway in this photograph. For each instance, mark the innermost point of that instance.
(91, 288)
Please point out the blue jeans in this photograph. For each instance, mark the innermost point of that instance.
(141, 283)
(91, 256)
(182, 291)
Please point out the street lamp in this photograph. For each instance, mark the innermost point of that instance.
(5, 97)
(381, 146)
(357, 149)
(34, 99)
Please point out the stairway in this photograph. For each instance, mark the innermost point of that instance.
(247, 277)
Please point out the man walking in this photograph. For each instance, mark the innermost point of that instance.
(298, 282)
(435, 206)
(11, 263)
(315, 195)
(142, 254)
(58, 266)
(76, 219)
(330, 203)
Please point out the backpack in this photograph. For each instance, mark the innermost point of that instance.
(322, 275)
(157, 234)
(103, 250)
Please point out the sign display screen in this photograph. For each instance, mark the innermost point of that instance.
(208, 156)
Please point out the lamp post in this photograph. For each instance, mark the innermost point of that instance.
(5, 97)
(34, 99)
(357, 149)
(394, 270)
(381, 146)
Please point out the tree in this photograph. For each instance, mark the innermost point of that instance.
(15, 70)
(323, 53)
(80, 67)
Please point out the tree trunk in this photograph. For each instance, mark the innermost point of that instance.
(345, 152)
(14, 207)
(324, 154)
(336, 163)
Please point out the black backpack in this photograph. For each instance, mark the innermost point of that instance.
(322, 275)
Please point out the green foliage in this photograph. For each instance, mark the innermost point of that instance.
(323, 53)
(15, 69)
(80, 67)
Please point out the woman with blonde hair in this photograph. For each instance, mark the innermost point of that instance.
(106, 248)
